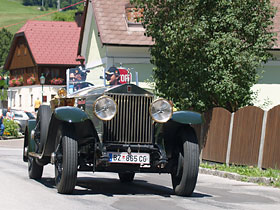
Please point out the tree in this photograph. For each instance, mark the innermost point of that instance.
(5, 42)
(207, 53)
(27, 2)
(68, 15)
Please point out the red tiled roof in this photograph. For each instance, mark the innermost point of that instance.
(276, 24)
(52, 42)
(112, 25)
(113, 29)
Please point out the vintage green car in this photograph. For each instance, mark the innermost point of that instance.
(113, 128)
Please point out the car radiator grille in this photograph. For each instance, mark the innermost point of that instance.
(132, 123)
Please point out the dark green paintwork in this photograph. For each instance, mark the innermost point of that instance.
(187, 117)
(31, 143)
(134, 89)
(70, 114)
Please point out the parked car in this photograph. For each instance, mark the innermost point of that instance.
(21, 117)
(123, 129)
(3, 112)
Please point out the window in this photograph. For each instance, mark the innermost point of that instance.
(31, 97)
(25, 50)
(133, 14)
(44, 98)
(134, 18)
(18, 115)
(30, 115)
(18, 51)
(19, 100)
(55, 73)
(29, 70)
(14, 100)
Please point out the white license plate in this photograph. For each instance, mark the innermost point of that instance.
(124, 157)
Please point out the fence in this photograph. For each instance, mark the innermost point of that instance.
(250, 136)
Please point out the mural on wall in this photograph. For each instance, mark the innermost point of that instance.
(117, 76)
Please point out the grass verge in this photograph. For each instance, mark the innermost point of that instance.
(247, 171)
(13, 12)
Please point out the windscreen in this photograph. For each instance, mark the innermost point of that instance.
(79, 78)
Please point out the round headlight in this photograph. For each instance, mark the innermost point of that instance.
(62, 93)
(161, 110)
(105, 108)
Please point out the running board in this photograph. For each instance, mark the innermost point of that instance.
(36, 155)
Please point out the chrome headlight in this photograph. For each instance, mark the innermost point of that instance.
(62, 93)
(105, 108)
(161, 110)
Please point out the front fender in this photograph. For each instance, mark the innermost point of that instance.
(169, 131)
(74, 121)
(187, 117)
(70, 114)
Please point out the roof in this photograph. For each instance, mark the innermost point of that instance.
(52, 42)
(112, 25)
(113, 29)
(276, 23)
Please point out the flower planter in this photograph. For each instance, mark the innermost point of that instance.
(57, 81)
(31, 80)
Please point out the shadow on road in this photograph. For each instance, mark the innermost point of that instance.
(111, 187)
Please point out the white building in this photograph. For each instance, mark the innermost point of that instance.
(39, 48)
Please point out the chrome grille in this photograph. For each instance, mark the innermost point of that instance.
(132, 123)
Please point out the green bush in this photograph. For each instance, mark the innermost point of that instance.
(11, 128)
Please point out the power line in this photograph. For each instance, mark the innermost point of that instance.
(42, 15)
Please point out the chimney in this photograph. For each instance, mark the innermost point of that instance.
(78, 18)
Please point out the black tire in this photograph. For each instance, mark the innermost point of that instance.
(25, 144)
(43, 118)
(66, 164)
(184, 175)
(126, 176)
(35, 171)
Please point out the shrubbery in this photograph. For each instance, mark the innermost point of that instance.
(207, 53)
(11, 128)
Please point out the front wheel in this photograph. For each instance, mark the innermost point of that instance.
(35, 171)
(66, 164)
(184, 175)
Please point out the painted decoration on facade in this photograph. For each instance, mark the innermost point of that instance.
(78, 79)
(117, 76)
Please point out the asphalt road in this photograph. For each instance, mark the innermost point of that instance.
(104, 191)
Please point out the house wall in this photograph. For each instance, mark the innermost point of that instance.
(135, 58)
(99, 58)
(23, 97)
(92, 48)
(268, 86)
(22, 56)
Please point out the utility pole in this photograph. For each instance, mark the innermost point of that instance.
(58, 5)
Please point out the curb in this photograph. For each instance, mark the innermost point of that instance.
(11, 137)
(12, 143)
(237, 177)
